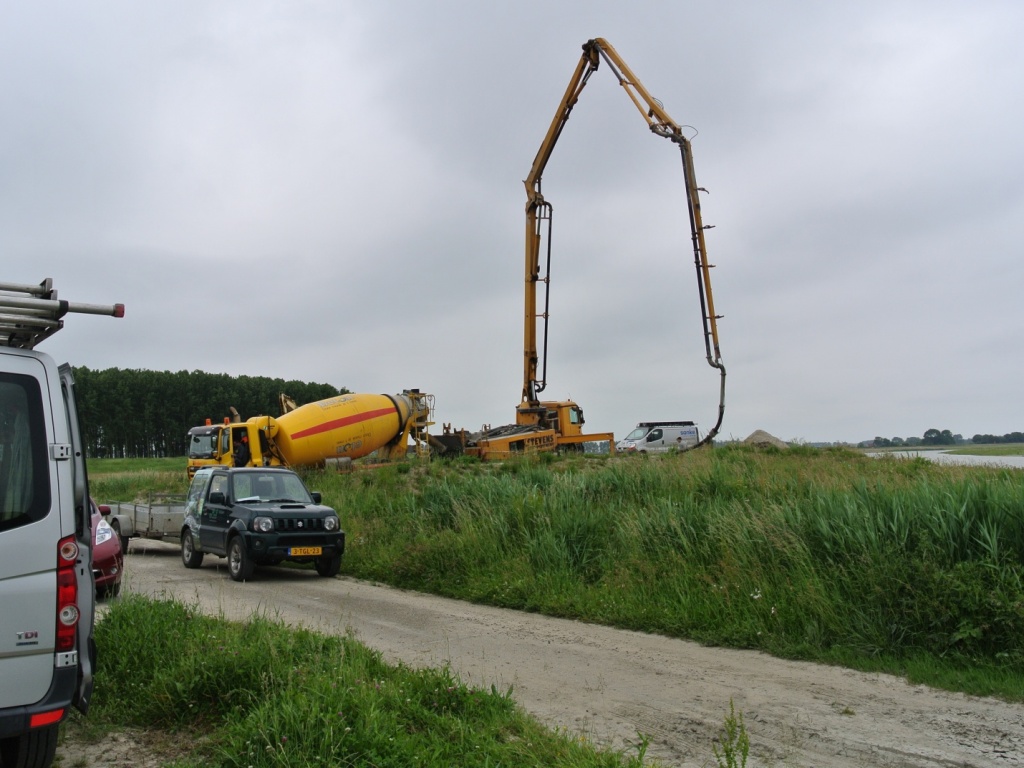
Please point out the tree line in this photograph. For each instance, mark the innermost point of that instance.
(1009, 437)
(136, 413)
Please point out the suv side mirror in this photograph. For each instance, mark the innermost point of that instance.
(316, 496)
(217, 497)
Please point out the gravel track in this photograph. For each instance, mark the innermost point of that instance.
(610, 684)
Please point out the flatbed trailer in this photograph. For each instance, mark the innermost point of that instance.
(160, 517)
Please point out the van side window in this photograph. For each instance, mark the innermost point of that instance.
(24, 467)
(655, 435)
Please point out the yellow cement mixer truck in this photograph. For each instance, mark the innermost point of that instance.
(328, 432)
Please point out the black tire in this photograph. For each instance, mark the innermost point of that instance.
(328, 567)
(189, 556)
(240, 567)
(122, 539)
(34, 749)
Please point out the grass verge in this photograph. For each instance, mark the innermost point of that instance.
(261, 694)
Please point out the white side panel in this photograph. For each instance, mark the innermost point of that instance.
(28, 568)
(26, 648)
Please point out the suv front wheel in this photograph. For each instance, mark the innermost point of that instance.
(328, 567)
(189, 556)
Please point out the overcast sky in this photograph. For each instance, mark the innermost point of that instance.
(332, 192)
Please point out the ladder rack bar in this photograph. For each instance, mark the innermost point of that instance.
(45, 288)
(59, 307)
(25, 320)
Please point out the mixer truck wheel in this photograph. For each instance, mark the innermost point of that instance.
(240, 567)
(328, 567)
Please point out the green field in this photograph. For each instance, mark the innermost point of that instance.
(1011, 449)
(1002, 449)
(891, 565)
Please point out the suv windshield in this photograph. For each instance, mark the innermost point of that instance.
(269, 486)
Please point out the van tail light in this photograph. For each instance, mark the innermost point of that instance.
(46, 718)
(67, 594)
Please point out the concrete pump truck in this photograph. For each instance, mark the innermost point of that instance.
(543, 425)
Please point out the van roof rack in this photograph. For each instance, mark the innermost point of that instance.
(665, 424)
(31, 313)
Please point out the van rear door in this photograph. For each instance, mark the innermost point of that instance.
(30, 528)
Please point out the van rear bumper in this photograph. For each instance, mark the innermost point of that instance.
(17, 720)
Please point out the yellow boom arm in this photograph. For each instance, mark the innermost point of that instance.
(538, 218)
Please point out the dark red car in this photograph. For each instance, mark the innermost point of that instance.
(107, 557)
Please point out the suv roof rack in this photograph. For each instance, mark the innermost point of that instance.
(31, 313)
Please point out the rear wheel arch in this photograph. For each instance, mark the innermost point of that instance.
(115, 523)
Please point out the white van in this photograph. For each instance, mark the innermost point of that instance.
(659, 436)
(47, 592)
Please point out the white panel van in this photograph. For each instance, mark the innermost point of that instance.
(47, 592)
(657, 436)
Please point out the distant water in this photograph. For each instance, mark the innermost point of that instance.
(942, 457)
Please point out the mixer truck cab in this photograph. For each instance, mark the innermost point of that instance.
(660, 436)
(221, 445)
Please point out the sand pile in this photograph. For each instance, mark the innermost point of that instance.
(762, 439)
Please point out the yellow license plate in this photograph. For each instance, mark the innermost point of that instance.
(305, 551)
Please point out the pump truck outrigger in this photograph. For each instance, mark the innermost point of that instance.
(554, 425)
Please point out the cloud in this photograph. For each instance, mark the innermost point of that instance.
(333, 192)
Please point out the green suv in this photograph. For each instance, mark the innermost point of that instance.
(258, 516)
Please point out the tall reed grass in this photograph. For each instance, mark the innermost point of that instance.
(830, 555)
(823, 554)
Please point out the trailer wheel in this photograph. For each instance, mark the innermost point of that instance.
(328, 567)
(240, 567)
(189, 556)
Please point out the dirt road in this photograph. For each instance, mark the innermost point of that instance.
(609, 684)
